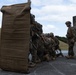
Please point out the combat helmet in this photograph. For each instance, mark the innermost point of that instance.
(67, 22)
(51, 34)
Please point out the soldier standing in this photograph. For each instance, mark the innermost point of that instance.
(70, 40)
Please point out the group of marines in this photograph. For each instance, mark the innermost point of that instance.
(43, 47)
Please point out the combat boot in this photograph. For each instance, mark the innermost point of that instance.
(71, 57)
(46, 57)
(31, 65)
(38, 61)
(68, 57)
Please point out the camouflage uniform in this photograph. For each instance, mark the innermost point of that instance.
(34, 38)
(57, 47)
(35, 32)
(52, 51)
(70, 39)
(41, 49)
(48, 46)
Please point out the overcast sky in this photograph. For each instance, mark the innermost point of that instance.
(52, 14)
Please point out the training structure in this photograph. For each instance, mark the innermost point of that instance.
(74, 26)
(15, 35)
(74, 20)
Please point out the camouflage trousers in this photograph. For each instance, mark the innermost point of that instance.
(70, 47)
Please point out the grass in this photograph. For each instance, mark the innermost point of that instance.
(63, 45)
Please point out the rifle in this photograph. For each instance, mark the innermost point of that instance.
(33, 44)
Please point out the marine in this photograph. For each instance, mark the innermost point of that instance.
(70, 40)
(56, 45)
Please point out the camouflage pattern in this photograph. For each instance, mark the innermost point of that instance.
(56, 45)
(50, 46)
(35, 32)
(57, 48)
(70, 39)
